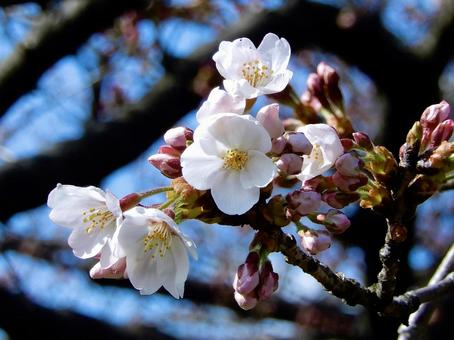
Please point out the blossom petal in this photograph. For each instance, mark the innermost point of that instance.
(275, 50)
(240, 132)
(259, 171)
(86, 245)
(278, 83)
(198, 168)
(230, 196)
(220, 101)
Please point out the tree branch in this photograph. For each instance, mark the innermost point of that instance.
(417, 322)
(60, 34)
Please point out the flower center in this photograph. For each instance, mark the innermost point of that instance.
(316, 154)
(97, 218)
(235, 159)
(256, 73)
(158, 238)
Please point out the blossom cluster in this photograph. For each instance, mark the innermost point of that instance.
(227, 168)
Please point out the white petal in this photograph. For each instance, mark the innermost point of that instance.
(241, 87)
(259, 171)
(220, 101)
(275, 50)
(86, 245)
(240, 132)
(63, 192)
(278, 83)
(181, 261)
(199, 168)
(113, 204)
(230, 196)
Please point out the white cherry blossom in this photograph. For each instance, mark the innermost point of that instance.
(250, 71)
(326, 148)
(220, 101)
(156, 251)
(228, 156)
(90, 212)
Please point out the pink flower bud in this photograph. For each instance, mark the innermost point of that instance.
(178, 136)
(298, 143)
(269, 281)
(348, 165)
(327, 73)
(247, 275)
(363, 140)
(442, 133)
(278, 145)
(290, 164)
(115, 271)
(167, 160)
(130, 201)
(435, 114)
(339, 200)
(304, 202)
(268, 116)
(347, 183)
(247, 301)
(315, 85)
(335, 221)
(315, 241)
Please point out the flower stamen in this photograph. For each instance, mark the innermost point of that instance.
(159, 238)
(235, 159)
(256, 73)
(97, 218)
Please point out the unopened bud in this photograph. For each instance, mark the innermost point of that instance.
(318, 183)
(167, 160)
(315, 241)
(130, 201)
(247, 301)
(363, 140)
(298, 143)
(269, 281)
(315, 85)
(247, 275)
(177, 137)
(442, 133)
(115, 271)
(347, 183)
(435, 114)
(331, 82)
(340, 200)
(348, 165)
(268, 116)
(278, 145)
(290, 164)
(304, 202)
(335, 221)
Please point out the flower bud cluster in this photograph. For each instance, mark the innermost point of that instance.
(323, 94)
(254, 281)
(167, 160)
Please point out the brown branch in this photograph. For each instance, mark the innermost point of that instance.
(60, 34)
(23, 319)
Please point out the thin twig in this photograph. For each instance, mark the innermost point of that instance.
(417, 322)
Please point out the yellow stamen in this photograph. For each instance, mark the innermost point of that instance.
(97, 218)
(235, 159)
(158, 238)
(256, 73)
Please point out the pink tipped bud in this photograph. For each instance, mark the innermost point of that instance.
(247, 301)
(269, 282)
(315, 85)
(298, 143)
(347, 183)
(435, 114)
(268, 116)
(115, 271)
(442, 133)
(130, 201)
(167, 160)
(278, 145)
(304, 202)
(339, 200)
(178, 136)
(247, 275)
(290, 164)
(335, 221)
(315, 241)
(363, 140)
(348, 165)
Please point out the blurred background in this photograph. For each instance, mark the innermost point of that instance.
(88, 87)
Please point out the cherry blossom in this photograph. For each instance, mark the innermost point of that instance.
(220, 101)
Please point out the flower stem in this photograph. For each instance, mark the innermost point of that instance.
(154, 192)
(168, 203)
